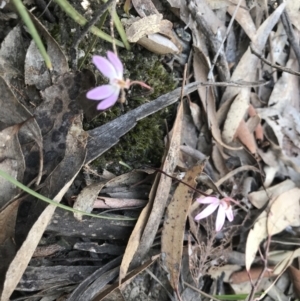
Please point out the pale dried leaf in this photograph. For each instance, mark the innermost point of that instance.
(244, 18)
(245, 136)
(235, 115)
(292, 9)
(142, 27)
(295, 277)
(286, 88)
(36, 72)
(207, 96)
(108, 203)
(144, 8)
(243, 276)
(217, 4)
(284, 211)
(145, 229)
(86, 199)
(58, 59)
(7, 223)
(158, 44)
(174, 224)
(255, 237)
(288, 257)
(246, 69)
(223, 271)
(196, 114)
(12, 55)
(261, 197)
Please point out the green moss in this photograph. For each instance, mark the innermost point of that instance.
(143, 145)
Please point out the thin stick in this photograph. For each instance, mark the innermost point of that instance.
(180, 181)
(210, 75)
(183, 82)
(283, 69)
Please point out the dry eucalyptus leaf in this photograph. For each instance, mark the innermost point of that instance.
(145, 229)
(243, 17)
(287, 258)
(13, 112)
(292, 9)
(54, 189)
(196, 114)
(88, 196)
(261, 197)
(13, 54)
(108, 293)
(158, 44)
(142, 27)
(246, 137)
(144, 7)
(295, 277)
(286, 88)
(174, 224)
(255, 237)
(207, 95)
(36, 72)
(235, 115)
(246, 69)
(225, 271)
(86, 199)
(11, 162)
(56, 114)
(284, 211)
(217, 4)
(58, 58)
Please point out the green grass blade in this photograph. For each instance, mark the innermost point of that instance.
(51, 202)
(120, 29)
(31, 28)
(78, 18)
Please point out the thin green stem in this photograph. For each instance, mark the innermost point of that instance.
(51, 202)
(78, 18)
(31, 28)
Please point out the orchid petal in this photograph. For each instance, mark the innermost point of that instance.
(115, 61)
(220, 218)
(229, 213)
(105, 67)
(207, 211)
(110, 101)
(208, 200)
(101, 92)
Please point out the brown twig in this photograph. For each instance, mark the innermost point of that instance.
(283, 69)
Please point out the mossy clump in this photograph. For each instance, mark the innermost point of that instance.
(143, 145)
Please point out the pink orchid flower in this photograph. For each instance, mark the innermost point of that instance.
(225, 210)
(112, 68)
